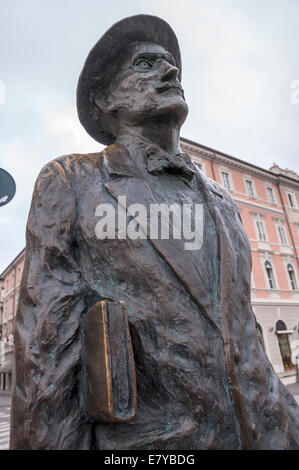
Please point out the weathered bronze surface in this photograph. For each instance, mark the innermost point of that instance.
(203, 378)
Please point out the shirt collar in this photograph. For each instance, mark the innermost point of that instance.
(120, 160)
(128, 157)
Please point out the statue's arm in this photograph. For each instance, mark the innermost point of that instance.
(47, 408)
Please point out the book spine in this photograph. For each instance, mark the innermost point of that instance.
(110, 386)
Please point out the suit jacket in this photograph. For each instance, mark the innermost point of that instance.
(203, 378)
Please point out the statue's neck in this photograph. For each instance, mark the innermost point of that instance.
(157, 134)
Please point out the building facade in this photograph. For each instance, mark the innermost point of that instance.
(10, 284)
(268, 201)
(1, 317)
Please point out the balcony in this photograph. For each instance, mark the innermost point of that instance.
(263, 245)
(286, 250)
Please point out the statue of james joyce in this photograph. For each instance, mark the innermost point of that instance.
(134, 327)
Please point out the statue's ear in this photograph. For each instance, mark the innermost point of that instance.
(101, 101)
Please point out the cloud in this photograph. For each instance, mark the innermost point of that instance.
(239, 60)
(237, 73)
(60, 133)
(65, 129)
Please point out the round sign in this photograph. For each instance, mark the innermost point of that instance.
(7, 187)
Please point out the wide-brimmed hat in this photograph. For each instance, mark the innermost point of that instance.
(98, 65)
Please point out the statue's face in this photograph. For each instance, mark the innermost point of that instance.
(146, 86)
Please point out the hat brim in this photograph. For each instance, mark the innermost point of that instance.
(98, 64)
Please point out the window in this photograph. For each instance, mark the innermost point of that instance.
(226, 180)
(280, 326)
(249, 186)
(292, 200)
(292, 276)
(261, 230)
(270, 195)
(11, 306)
(270, 275)
(284, 346)
(282, 235)
(17, 299)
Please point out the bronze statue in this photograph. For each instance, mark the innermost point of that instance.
(203, 380)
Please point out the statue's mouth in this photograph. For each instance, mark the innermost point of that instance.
(170, 87)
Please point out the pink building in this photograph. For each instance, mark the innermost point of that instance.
(268, 201)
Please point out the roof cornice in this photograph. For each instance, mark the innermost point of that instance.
(2, 275)
(209, 153)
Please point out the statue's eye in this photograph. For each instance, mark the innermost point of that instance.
(143, 64)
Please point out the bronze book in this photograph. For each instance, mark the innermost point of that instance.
(109, 364)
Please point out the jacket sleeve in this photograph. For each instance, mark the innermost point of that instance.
(47, 409)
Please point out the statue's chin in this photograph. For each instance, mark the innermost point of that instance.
(175, 110)
(171, 111)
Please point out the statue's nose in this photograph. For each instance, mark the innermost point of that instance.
(170, 73)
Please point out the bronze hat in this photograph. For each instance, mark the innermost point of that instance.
(98, 64)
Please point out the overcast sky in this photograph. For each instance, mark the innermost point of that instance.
(239, 61)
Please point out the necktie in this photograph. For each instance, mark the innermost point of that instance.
(159, 162)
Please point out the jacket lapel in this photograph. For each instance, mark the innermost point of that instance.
(118, 162)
